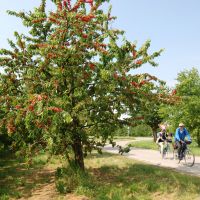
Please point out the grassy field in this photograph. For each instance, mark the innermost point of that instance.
(107, 177)
(150, 144)
(124, 138)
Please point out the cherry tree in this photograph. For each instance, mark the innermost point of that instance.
(65, 85)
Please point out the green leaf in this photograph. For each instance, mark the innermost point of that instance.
(67, 117)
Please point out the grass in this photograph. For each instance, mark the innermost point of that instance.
(150, 144)
(124, 138)
(117, 177)
(108, 177)
(146, 144)
(17, 179)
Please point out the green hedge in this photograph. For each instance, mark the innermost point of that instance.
(140, 130)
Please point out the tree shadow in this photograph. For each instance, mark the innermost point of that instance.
(145, 179)
(104, 154)
(17, 180)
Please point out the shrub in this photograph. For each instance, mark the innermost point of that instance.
(141, 130)
(66, 180)
(71, 179)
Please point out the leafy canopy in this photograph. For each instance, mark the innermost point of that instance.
(66, 84)
(188, 109)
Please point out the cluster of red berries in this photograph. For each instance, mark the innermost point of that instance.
(55, 109)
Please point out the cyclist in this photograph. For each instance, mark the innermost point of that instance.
(161, 138)
(181, 133)
(169, 137)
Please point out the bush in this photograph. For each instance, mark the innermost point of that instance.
(66, 180)
(5, 142)
(122, 131)
(141, 130)
(70, 179)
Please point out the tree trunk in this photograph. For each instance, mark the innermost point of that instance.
(77, 143)
(154, 129)
(78, 154)
(198, 137)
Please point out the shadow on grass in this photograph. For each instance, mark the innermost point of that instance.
(110, 179)
(17, 180)
(141, 181)
(98, 155)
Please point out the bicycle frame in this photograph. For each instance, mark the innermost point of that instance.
(166, 148)
(188, 156)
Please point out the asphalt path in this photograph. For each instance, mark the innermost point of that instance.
(154, 157)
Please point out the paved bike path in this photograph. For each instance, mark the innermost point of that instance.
(153, 157)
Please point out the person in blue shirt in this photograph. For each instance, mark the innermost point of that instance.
(180, 135)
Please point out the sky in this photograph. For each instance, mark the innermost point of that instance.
(172, 25)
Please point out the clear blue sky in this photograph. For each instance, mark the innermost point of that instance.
(170, 24)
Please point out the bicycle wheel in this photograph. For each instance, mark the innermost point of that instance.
(189, 158)
(168, 152)
(164, 153)
(159, 149)
(175, 154)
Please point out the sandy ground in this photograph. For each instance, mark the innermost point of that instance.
(153, 157)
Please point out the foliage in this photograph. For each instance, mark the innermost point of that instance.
(69, 179)
(66, 84)
(141, 130)
(152, 115)
(122, 131)
(188, 109)
(153, 119)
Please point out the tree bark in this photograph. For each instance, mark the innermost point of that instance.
(154, 129)
(78, 153)
(77, 142)
(198, 137)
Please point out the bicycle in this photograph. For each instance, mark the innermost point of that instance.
(166, 149)
(188, 156)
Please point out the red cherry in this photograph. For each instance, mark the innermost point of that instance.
(39, 97)
(92, 66)
(139, 62)
(134, 53)
(133, 83)
(174, 92)
(17, 106)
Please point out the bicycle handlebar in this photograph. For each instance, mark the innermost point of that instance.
(186, 141)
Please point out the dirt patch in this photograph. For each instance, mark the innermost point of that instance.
(74, 197)
(44, 192)
(47, 191)
(45, 188)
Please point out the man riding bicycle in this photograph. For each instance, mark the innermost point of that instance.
(181, 133)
